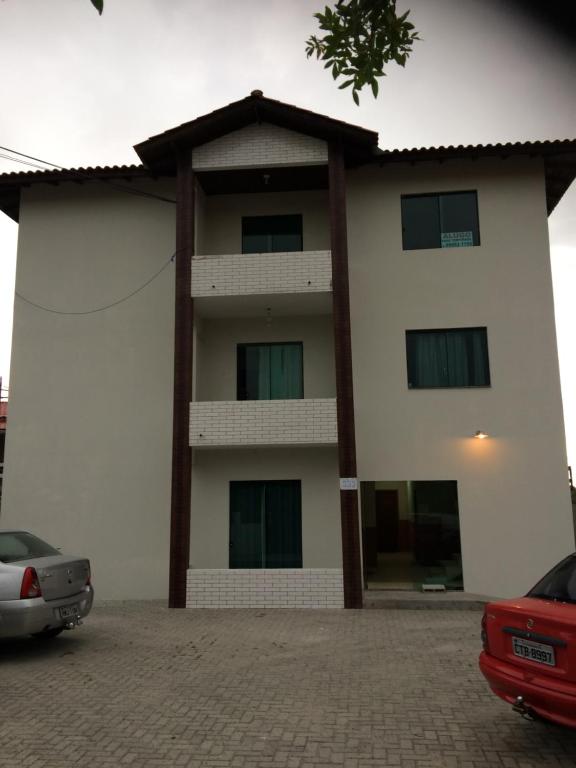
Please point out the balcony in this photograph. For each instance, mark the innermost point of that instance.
(250, 423)
(248, 282)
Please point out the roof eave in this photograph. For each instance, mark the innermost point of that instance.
(159, 152)
(559, 160)
(11, 184)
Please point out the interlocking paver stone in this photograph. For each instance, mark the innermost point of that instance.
(140, 685)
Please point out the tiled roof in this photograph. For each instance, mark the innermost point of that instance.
(11, 183)
(257, 95)
(73, 174)
(464, 150)
(559, 157)
(159, 151)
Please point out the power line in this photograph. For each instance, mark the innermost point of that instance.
(121, 187)
(114, 185)
(31, 157)
(23, 162)
(138, 192)
(99, 309)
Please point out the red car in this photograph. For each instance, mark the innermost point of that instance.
(529, 655)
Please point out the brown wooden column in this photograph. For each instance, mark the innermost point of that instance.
(351, 560)
(184, 318)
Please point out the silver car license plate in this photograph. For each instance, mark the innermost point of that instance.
(69, 611)
(528, 649)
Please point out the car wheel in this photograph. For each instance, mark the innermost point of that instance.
(48, 634)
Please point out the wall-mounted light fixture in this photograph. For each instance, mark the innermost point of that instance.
(480, 435)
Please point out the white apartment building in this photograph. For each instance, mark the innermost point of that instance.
(252, 370)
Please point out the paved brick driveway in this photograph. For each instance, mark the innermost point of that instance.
(263, 689)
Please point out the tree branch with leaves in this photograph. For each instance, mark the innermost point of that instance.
(361, 37)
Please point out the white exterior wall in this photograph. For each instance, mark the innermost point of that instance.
(316, 468)
(217, 352)
(222, 218)
(515, 516)
(88, 454)
(260, 144)
(88, 451)
(318, 584)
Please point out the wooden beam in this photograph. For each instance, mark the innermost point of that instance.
(351, 559)
(183, 327)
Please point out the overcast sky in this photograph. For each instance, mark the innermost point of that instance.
(79, 89)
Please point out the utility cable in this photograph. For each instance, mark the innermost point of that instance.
(107, 306)
(114, 185)
(23, 162)
(31, 157)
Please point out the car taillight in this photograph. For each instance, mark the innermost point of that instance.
(88, 578)
(30, 585)
(484, 634)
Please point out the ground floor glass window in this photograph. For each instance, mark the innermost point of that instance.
(265, 524)
(411, 534)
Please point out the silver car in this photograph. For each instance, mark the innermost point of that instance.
(42, 592)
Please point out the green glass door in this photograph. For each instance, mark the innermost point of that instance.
(265, 524)
(270, 371)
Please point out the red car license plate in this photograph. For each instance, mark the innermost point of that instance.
(528, 649)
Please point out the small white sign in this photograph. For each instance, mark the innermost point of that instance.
(456, 239)
(348, 483)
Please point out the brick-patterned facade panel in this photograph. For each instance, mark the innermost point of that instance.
(262, 273)
(261, 145)
(265, 588)
(263, 422)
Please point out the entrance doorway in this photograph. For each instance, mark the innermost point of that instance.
(411, 534)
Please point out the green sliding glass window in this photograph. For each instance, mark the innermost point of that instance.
(455, 357)
(270, 371)
(270, 234)
(447, 220)
(266, 524)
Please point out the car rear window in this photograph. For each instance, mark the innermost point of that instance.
(559, 584)
(19, 545)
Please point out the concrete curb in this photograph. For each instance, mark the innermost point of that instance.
(455, 601)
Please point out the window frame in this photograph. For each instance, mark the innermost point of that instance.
(438, 195)
(243, 344)
(486, 353)
(298, 216)
(264, 484)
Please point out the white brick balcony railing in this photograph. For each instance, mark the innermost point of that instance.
(263, 422)
(262, 273)
(265, 588)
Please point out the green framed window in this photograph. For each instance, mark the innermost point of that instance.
(454, 357)
(270, 234)
(265, 524)
(442, 220)
(270, 371)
